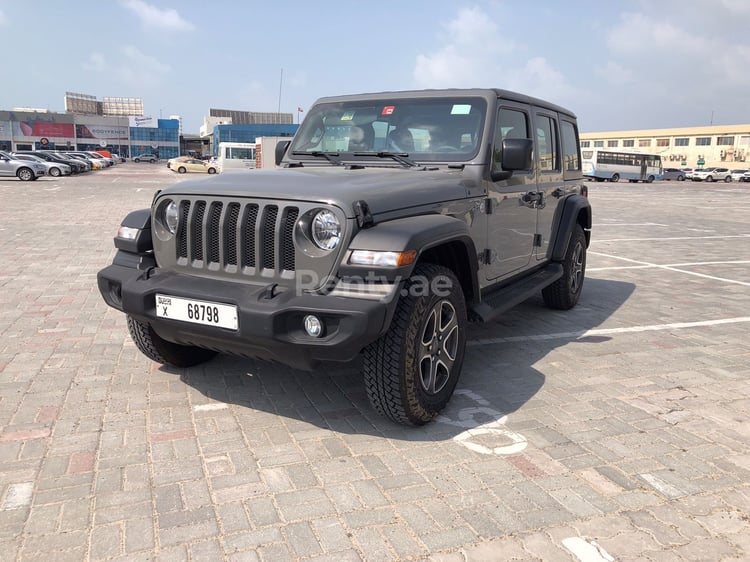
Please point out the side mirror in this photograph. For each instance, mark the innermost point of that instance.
(281, 147)
(516, 155)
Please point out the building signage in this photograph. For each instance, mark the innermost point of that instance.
(101, 132)
(148, 122)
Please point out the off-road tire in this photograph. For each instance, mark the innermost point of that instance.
(564, 293)
(162, 351)
(394, 364)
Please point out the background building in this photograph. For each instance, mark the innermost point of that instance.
(724, 145)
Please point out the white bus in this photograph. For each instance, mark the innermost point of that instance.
(610, 165)
(236, 156)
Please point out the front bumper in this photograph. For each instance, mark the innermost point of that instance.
(270, 326)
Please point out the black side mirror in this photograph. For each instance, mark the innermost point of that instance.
(516, 155)
(281, 147)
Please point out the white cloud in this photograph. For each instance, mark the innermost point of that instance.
(472, 42)
(151, 16)
(140, 69)
(475, 48)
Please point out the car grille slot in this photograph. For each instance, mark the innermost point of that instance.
(240, 238)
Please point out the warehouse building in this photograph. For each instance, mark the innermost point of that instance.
(720, 145)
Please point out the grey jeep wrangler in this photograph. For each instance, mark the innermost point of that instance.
(393, 220)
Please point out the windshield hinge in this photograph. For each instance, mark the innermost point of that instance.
(362, 212)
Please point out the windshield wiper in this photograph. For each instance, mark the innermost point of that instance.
(332, 157)
(400, 157)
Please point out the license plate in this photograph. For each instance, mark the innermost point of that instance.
(197, 312)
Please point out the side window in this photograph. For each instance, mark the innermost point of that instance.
(546, 141)
(511, 124)
(571, 161)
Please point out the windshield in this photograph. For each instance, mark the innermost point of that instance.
(425, 129)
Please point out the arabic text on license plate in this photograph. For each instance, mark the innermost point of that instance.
(197, 312)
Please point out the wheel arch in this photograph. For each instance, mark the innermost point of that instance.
(577, 210)
(437, 239)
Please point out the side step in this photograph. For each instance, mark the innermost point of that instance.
(495, 303)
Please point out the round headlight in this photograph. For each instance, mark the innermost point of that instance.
(167, 218)
(326, 230)
(171, 217)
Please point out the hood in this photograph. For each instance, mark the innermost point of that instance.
(384, 189)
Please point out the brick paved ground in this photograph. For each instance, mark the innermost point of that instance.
(618, 430)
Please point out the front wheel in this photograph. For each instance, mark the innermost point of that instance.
(212, 170)
(54, 172)
(615, 177)
(564, 293)
(680, 178)
(410, 373)
(162, 351)
(25, 174)
(181, 170)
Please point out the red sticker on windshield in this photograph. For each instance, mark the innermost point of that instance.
(388, 110)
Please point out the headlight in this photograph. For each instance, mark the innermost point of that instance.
(167, 219)
(326, 230)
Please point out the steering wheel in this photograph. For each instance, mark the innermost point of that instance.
(446, 148)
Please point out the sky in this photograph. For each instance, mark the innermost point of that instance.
(617, 64)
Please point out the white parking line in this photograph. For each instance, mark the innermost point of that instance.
(210, 407)
(611, 331)
(662, 487)
(672, 238)
(690, 264)
(670, 268)
(17, 496)
(587, 551)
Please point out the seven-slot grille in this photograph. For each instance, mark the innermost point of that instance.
(245, 237)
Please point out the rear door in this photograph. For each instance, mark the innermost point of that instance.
(558, 172)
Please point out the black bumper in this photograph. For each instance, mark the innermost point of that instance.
(270, 327)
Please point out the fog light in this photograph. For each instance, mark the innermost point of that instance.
(313, 326)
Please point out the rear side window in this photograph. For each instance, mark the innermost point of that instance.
(546, 140)
(571, 160)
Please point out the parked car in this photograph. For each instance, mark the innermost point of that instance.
(118, 158)
(106, 161)
(95, 163)
(712, 174)
(147, 157)
(391, 246)
(76, 167)
(23, 169)
(737, 174)
(194, 165)
(54, 169)
(688, 172)
(673, 174)
(745, 176)
(172, 161)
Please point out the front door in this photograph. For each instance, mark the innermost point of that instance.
(511, 217)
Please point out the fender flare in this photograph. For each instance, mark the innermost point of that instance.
(575, 206)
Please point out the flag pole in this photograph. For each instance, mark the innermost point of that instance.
(281, 80)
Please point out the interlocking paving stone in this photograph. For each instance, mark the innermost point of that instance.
(634, 439)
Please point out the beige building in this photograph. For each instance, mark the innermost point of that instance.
(726, 145)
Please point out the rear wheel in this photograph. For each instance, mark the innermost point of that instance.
(411, 371)
(710, 178)
(615, 177)
(564, 293)
(650, 179)
(25, 174)
(728, 179)
(162, 351)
